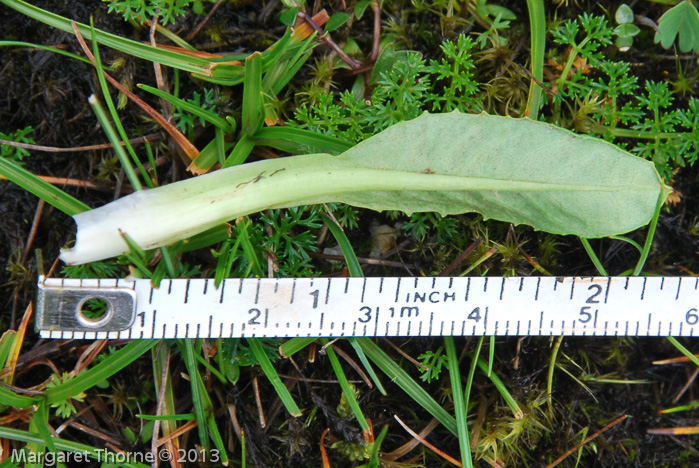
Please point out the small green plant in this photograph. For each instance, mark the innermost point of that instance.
(681, 20)
(16, 153)
(433, 362)
(625, 30)
(434, 176)
(141, 11)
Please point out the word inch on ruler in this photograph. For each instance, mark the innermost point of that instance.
(331, 307)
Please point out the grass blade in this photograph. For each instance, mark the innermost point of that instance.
(199, 396)
(114, 140)
(355, 269)
(460, 409)
(273, 377)
(407, 383)
(112, 364)
(47, 192)
(502, 389)
(294, 345)
(345, 385)
(367, 365)
(295, 140)
(253, 104)
(198, 111)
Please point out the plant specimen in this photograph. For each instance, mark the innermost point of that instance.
(439, 162)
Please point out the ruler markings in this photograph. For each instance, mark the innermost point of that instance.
(187, 298)
(223, 288)
(541, 321)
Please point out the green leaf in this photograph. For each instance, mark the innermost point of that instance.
(627, 30)
(253, 105)
(514, 170)
(624, 14)
(360, 7)
(335, 21)
(288, 17)
(682, 19)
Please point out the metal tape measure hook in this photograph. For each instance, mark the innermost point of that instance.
(63, 309)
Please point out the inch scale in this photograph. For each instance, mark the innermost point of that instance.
(386, 306)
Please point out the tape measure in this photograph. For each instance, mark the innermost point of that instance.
(386, 306)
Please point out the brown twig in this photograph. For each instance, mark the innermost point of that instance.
(461, 257)
(188, 426)
(189, 149)
(588, 439)
(406, 356)
(89, 355)
(327, 40)
(688, 384)
(203, 22)
(374, 54)
(33, 230)
(53, 149)
(354, 366)
(408, 446)
(158, 70)
(258, 402)
(424, 442)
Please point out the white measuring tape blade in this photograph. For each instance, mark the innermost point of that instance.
(195, 308)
